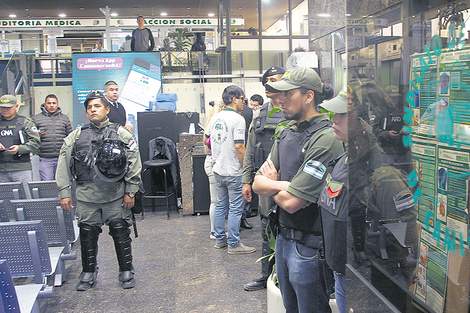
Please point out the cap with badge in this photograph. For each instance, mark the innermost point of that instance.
(338, 104)
(95, 95)
(273, 70)
(7, 101)
(297, 77)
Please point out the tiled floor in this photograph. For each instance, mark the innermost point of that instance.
(177, 270)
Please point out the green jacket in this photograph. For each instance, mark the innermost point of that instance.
(89, 191)
(32, 145)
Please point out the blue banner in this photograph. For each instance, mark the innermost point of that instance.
(138, 75)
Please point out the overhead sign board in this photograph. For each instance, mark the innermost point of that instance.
(90, 22)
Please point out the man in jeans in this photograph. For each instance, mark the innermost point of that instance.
(293, 175)
(227, 132)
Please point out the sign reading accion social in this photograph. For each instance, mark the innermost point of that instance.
(73, 23)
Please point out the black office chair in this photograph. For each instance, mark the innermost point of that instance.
(163, 159)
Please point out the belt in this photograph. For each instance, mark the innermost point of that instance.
(294, 234)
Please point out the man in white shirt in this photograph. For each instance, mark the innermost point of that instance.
(227, 132)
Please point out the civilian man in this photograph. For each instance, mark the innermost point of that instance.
(142, 37)
(53, 126)
(227, 132)
(117, 112)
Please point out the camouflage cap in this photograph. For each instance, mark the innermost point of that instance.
(7, 101)
(338, 104)
(297, 77)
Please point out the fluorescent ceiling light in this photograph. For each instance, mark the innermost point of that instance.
(211, 14)
(114, 14)
(324, 15)
(62, 15)
(12, 15)
(163, 14)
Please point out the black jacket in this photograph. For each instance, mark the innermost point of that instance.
(57, 126)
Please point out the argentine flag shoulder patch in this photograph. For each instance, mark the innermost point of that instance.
(315, 168)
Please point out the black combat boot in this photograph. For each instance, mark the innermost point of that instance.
(120, 232)
(266, 264)
(89, 247)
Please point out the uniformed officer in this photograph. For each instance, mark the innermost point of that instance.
(18, 138)
(258, 146)
(333, 201)
(104, 160)
(293, 175)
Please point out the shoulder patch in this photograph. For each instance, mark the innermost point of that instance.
(315, 169)
(132, 145)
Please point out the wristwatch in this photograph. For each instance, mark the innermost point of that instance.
(131, 194)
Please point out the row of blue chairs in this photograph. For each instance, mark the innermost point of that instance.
(35, 240)
(38, 189)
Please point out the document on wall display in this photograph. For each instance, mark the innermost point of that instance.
(431, 271)
(424, 93)
(424, 163)
(453, 117)
(453, 170)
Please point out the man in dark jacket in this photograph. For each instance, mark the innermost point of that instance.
(117, 113)
(53, 126)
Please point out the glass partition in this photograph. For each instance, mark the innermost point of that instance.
(408, 155)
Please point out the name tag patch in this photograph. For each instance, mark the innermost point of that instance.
(315, 168)
(132, 145)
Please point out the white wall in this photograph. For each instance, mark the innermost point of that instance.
(64, 95)
(189, 95)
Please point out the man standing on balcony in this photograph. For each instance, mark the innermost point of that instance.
(142, 37)
(18, 138)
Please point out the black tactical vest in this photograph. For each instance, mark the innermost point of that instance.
(12, 133)
(264, 128)
(85, 148)
(334, 214)
(291, 157)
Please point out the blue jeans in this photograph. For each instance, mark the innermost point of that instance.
(229, 197)
(300, 277)
(340, 292)
(47, 168)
